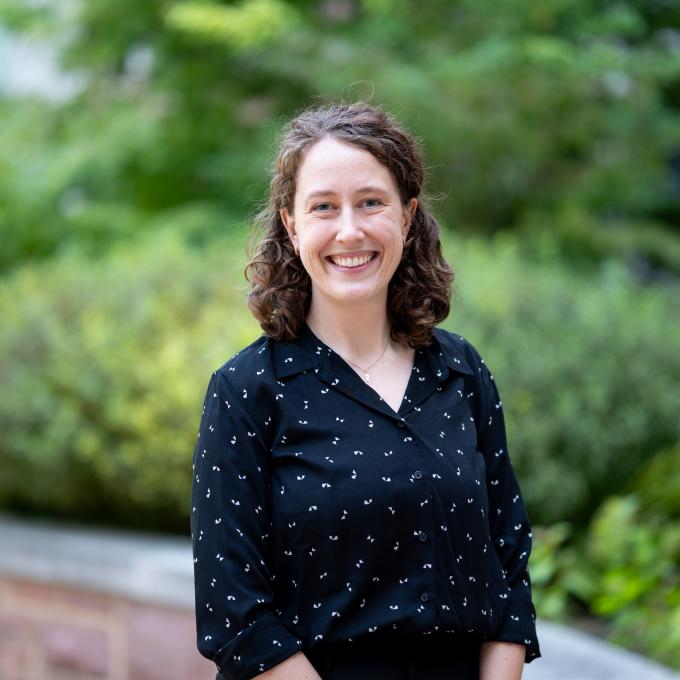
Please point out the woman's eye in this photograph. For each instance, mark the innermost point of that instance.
(372, 202)
(322, 207)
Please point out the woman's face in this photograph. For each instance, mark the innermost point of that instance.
(348, 223)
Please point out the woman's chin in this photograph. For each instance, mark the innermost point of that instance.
(357, 295)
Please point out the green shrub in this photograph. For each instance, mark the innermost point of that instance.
(105, 365)
(657, 484)
(559, 575)
(637, 558)
(107, 361)
(586, 364)
(624, 569)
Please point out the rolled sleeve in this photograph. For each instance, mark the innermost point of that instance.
(236, 624)
(508, 520)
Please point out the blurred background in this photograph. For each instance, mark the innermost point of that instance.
(135, 139)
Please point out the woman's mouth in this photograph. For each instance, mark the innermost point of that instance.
(352, 262)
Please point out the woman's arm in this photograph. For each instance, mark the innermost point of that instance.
(236, 620)
(296, 667)
(501, 660)
(509, 524)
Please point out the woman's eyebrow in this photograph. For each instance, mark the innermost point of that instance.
(372, 190)
(320, 192)
(330, 192)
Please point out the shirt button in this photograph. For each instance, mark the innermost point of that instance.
(417, 474)
(424, 597)
(422, 536)
(401, 423)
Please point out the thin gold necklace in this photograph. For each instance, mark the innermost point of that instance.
(365, 371)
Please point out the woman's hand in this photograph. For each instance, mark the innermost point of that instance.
(295, 667)
(501, 660)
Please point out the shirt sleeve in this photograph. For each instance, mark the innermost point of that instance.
(508, 520)
(236, 624)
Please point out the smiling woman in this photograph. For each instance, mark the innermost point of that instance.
(355, 513)
(353, 174)
(348, 225)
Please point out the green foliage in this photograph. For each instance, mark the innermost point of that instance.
(106, 363)
(657, 484)
(58, 196)
(248, 26)
(625, 568)
(554, 116)
(637, 557)
(24, 16)
(586, 363)
(558, 574)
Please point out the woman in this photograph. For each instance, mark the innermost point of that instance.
(355, 513)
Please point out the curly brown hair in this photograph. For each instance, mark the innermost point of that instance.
(419, 292)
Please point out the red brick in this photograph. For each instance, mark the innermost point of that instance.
(45, 593)
(77, 648)
(162, 644)
(51, 632)
(21, 655)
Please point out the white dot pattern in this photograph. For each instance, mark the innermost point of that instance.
(320, 513)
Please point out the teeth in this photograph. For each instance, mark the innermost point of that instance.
(351, 261)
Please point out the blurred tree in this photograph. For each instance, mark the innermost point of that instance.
(562, 115)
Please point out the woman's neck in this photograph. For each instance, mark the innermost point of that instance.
(355, 332)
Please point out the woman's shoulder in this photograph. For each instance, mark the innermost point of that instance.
(251, 369)
(450, 338)
(458, 346)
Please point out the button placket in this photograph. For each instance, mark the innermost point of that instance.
(423, 537)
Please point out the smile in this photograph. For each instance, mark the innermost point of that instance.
(351, 262)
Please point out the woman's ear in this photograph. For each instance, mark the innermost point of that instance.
(410, 212)
(289, 224)
(285, 218)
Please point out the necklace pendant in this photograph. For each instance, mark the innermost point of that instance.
(367, 377)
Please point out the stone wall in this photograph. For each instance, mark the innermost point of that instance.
(60, 633)
(56, 626)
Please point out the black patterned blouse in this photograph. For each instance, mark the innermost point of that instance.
(320, 514)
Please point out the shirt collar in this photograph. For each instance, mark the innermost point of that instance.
(299, 354)
(308, 352)
(447, 350)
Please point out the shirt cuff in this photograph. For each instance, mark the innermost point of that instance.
(257, 648)
(519, 625)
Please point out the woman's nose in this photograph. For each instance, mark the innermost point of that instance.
(349, 227)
